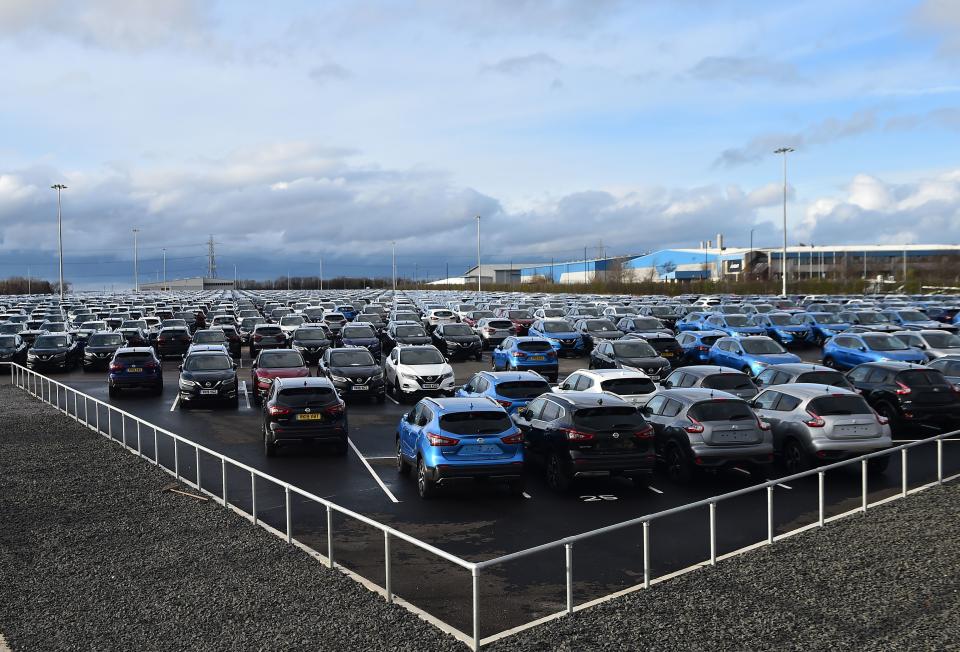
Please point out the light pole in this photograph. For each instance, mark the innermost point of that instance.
(59, 187)
(394, 245)
(479, 270)
(750, 258)
(783, 263)
(164, 268)
(136, 275)
(321, 273)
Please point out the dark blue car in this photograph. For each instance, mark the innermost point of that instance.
(527, 354)
(135, 368)
(821, 326)
(696, 345)
(361, 334)
(734, 325)
(561, 334)
(783, 327)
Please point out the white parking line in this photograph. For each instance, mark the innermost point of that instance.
(743, 471)
(372, 472)
(382, 457)
(527, 496)
(176, 401)
(246, 397)
(395, 401)
(654, 489)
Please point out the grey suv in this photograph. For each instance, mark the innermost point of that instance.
(725, 379)
(706, 429)
(801, 372)
(814, 423)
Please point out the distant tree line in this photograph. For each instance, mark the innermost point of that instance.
(23, 285)
(313, 283)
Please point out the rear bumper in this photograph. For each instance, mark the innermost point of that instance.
(449, 473)
(583, 466)
(719, 456)
(132, 383)
(334, 433)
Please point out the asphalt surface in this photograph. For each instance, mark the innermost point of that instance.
(479, 522)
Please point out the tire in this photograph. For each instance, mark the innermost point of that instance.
(112, 391)
(557, 477)
(878, 465)
(890, 412)
(478, 357)
(235, 401)
(426, 487)
(269, 447)
(403, 467)
(829, 362)
(795, 458)
(678, 467)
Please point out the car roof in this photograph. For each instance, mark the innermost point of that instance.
(892, 365)
(305, 381)
(135, 349)
(612, 373)
(799, 367)
(588, 399)
(704, 333)
(206, 348)
(694, 394)
(529, 338)
(450, 405)
(708, 370)
(505, 376)
(811, 390)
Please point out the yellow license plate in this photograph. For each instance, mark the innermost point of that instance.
(309, 417)
(134, 370)
(667, 354)
(537, 357)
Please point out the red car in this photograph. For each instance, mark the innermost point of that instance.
(275, 363)
(522, 319)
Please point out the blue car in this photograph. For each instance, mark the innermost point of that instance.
(696, 345)
(561, 334)
(821, 326)
(736, 325)
(693, 321)
(914, 320)
(751, 355)
(512, 390)
(452, 439)
(135, 368)
(527, 354)
(848, 350)
(347, 311)
(361, 334)
(782, 327)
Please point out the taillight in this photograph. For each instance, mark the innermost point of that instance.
(703, 348)
(513, 439)
(695, 426)
(278, 411)
(116, 367)
(334, 410)
(506, 404)
(815, 421)
(645, 433)
(440, 440)
(151, 366)
(576, 435)
(902, 390)
(491, 331)
(520, 354)
(763, 424)
(257, 338)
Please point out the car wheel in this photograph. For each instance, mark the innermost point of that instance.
(235, 401)
(113, 391)
(269, 447)
(878, 465)
(403, 467)
(890, 413)
(828, 362)
(479, 356)
(557, 477)
(794, 457)
(678, 468)
(426, 487)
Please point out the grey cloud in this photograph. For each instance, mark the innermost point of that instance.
(745, 70)
(329, 71)
(942, 18)
(523, 64)
(946, 117)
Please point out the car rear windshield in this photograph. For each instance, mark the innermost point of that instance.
(358, 332)
(552, 312)
(709, 340)
(280, 359)
(297, 397)
(827, 318)
(942, 340)
(10, 340)
(641, 324)
(421, 356)
(442, 313)
(457, 330)
(268, 330)
(518, 314)
(922, 378)
(134, 357)
(556, 327)
(475, 423)
(884, 343)
(295, 320)
(205, 337)
(835, 406)
(411, 331)
(728, 381)
(106, 339)
(310, 334)
(625, 386)
(334, 316)
(523, 389)
(207, 363)
(913, 315)
(95, 325)
(724, 410)
(634, 349)
(50, 340)
(356, 358)
(500, 323)
(761, 346)
(662, 343)
(608, 416)
(781, 320)
(832, 378)
(601, 325)
(534, 347)
(737, 320)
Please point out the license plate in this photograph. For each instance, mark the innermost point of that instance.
(309, 417)
(208, 392)
(731, 437)
(667, 354)
(360, 388)
(480, 449)
(134, 370)
(431, 386)
(537, 358)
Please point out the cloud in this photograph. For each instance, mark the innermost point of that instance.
(941, 17)
(745, 70)
(523, 64)
(329, 71)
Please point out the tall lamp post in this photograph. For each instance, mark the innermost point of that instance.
(59, 187)
(479, 270)
(136, 275)
(394, 244)
(783, 262)
(164, 268)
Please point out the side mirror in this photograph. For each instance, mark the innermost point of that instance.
(646, 411)
(862, 348)
(180, 367)
(666, 384)
(565, 386)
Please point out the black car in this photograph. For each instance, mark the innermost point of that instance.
(247, 324)
(304, 410)
(665, 345)
(353, 372)
(311, 341)
(908, 395)
(360, 335)
(174, 340)
(404, 333)
(593, 330)
(634, 354)
(208, 374)
(13, 349)
(457, 341)
(266, 336)
(234, 342)
(583, 435)
(60, 351)
(100, 348)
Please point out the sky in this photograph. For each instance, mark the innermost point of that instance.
(295, 132)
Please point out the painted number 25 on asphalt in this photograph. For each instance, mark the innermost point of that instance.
(597, 499)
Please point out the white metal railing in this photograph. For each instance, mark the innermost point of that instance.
(49, 391)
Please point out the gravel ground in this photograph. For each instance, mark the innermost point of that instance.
(93, 556)
(887, 581)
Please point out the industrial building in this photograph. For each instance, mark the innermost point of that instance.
(193, 284)
(501, 273)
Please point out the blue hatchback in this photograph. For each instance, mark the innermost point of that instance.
(734, 325)
(696, 345)
(527, 354)
(692, 321)
(751, 355)
(821, 326)
(135, 368)
(913, 320)
(848, 350)
(782, 327)
(362, 335)
(512, 390)
(561, 334)
(452, 439)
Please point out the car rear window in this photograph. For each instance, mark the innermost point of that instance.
(208, 363)
(442, 313)
(518, 314)
(307, 396)
(628, 386)
(832, 406)
(534, 347)
(723, 410)
(608, 416)
(475, 423)
(523, 389)
(134, 357)
(921, 378)
(209, 336)
(410, 331)
(280, 359)
(832, 378)
(710, 340)
(268, 330)
(12, 341)
(728, 381)
(112, 339)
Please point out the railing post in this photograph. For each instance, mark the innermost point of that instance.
(253, 497)
(863, 484)
(903, 470)
(223, 479)
(476, 608)
(568, 548)
(939, 461)
(820, 478)
(769, 514)
(197, 462)
(86, 411)
(713, 534)
(286, 497)
(156, 450)
(646, 554)
(387, 582)
(329, 537)
(123, 431)
(110, 422)
(176, 459)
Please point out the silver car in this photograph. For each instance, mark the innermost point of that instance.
(494, 330)
(934, 343)
(716, 377)
(818, 424)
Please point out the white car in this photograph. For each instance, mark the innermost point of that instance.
(418, 370)
(633, 386)
(290, 323)
(441, 316)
